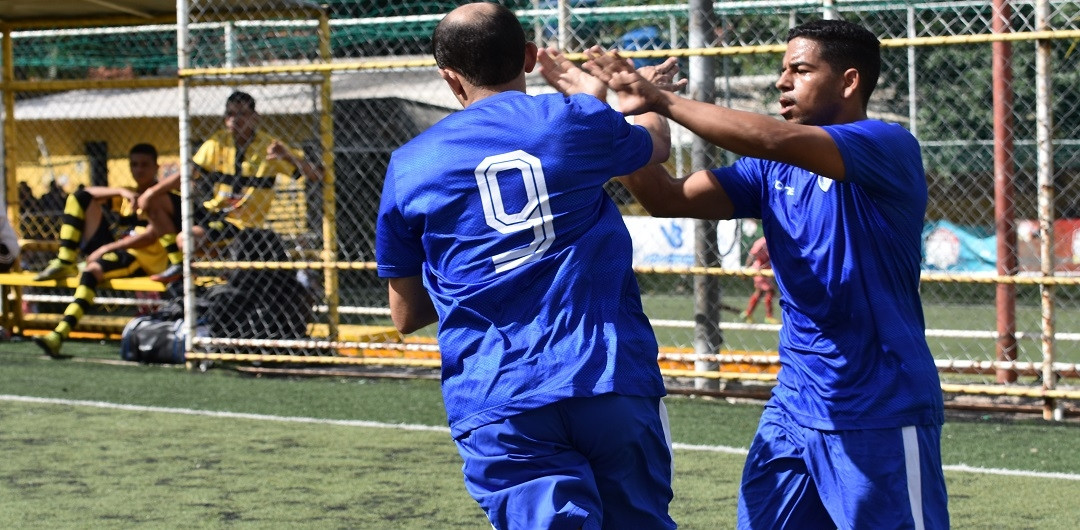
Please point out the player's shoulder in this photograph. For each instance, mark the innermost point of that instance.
(217, 140)
(263, 138)
(584, 103)
(872, 128)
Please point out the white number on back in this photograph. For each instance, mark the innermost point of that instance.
(535, 215)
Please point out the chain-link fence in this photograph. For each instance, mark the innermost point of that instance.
(348, 84)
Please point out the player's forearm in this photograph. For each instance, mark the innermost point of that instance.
(744, 133)
(139, 240)
(104, 192)
(697, 196)
(652, 186)
(756, 135)
(169, 183)
(309, 170)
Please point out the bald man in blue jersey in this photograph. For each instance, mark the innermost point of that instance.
(851, 435)
(495, 224)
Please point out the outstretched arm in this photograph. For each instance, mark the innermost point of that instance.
(101, 193)
(744, 133)
(698, 196)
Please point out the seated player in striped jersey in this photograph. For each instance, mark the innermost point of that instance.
(118, 241)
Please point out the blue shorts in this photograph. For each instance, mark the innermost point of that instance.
(596, 462)
(876, 478)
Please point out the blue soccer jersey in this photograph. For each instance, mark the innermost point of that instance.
(500, 208)
(846, 256)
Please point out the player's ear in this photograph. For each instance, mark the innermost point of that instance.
(851, 83)
(453, 80)
(530, 56)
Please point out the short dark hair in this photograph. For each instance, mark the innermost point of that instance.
(143, 149)
(487, 47)
(845, 45)
(242, 98)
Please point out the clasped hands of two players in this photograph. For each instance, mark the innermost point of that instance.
(639, 90)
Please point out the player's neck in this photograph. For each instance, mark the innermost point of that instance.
(473, 93)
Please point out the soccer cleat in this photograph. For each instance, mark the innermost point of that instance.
(170, 274)
(56, 270)
(50, 344)
(772, 320)
(748, 318)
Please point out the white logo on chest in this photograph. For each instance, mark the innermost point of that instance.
(787, 190)
(824, 183)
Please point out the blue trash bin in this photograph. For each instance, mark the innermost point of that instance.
(644, 38)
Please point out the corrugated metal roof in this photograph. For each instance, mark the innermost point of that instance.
(14, 11)
(210, 100)
(424, 86)
(18, 12)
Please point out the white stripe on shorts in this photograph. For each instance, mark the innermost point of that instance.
(914, 473)
(667, 435)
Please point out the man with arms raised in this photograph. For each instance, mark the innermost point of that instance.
(494, 222)
(851, 435)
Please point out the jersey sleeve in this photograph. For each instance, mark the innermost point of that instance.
(743, 182)
(631, 145)
(879, 157)
(204, 157)
(399, 251)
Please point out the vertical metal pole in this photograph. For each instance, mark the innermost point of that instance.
(1004, 189)
(1044, 127)
(677, 131)
(10, 176)
(828, 10)
(183, 61)
(538, 26)
(912, 76)
(230, 43)
(329, 227)
(13, 316)
(564, 25)
(707, 334)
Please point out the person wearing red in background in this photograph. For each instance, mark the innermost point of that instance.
(758, 259)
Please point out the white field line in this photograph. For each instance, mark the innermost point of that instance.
(219, 414)
(960, 468)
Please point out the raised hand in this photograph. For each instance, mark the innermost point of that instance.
(663, 75)
(637, 94)
(566, 77)
(277, 150)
